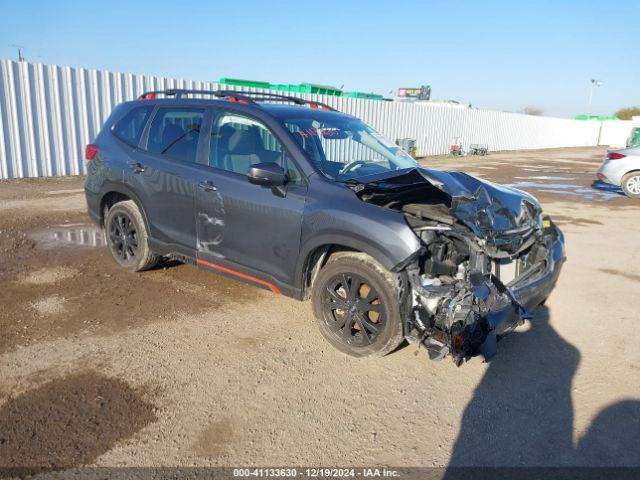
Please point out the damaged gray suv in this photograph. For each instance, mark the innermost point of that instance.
(297, 198)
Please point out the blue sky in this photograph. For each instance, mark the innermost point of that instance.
(501, 55)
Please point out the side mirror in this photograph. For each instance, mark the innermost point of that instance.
(266, 173)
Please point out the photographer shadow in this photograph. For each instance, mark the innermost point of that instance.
(521, 413)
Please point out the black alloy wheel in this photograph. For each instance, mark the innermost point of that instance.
(127, 237)
(353, 309)
(124, 237)
(358, 304)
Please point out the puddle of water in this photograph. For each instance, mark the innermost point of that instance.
(73, 235)
(595, 192)
(554, 186)
(541, 168)
(607, 187)
(545, 177)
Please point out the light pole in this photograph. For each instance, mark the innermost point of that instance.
(19, 47)
(597, 83)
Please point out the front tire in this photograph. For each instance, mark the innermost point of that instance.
(358, 305)
(127, 237)
(631, 184)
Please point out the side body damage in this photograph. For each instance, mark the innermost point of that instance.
(488, 257)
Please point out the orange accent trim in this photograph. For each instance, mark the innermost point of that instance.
(269, 285)
(238, 100)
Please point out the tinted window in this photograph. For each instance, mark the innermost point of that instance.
(174, 132)
(237, 142)
(129, 128)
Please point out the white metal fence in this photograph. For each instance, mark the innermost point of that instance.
(48, 113)
(616, 133)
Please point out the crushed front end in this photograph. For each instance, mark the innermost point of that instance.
(466, 293)
(489, 257)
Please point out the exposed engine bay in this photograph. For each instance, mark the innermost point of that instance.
(487, 257)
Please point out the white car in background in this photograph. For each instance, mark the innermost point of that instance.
(622, 167)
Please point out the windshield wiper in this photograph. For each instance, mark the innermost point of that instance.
(180, 138)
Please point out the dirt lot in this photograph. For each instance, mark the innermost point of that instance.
(182, 367)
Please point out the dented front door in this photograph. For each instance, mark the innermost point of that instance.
(240, 224)
(246, 225)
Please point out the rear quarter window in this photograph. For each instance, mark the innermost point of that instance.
(130, 127)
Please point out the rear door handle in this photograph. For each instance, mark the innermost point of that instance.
(137, 167)
(207, 186)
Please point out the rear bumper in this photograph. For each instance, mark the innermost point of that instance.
(526, 297)
(606, 174)
(612, 171)
(93, 206)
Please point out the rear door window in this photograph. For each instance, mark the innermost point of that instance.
(130, 127)
(174, 132)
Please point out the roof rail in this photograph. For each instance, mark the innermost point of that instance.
(245, 98)
(173, 92)
(274, 97)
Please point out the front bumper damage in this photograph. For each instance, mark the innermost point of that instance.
(466, 315)
(488, 258)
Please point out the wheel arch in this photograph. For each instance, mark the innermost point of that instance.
(118, 193)
(315, 256)
(630, 174)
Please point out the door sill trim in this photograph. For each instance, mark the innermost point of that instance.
(244, 276)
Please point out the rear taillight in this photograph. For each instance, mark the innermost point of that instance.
(615, 155)
(90, 151)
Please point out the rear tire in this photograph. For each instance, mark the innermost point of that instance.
(127, 237)
(358, 305)
(631, 184)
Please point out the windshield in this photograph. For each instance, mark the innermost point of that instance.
(345, 148)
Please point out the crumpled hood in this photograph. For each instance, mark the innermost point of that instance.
(487, 208)
(493, 212)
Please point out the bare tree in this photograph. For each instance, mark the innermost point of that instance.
(531, 110)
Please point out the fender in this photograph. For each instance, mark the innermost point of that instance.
(342, 241)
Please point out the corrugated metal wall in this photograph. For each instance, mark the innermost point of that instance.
(615, 134)
(48, 113)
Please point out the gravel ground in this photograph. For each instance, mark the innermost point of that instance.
(181, 367)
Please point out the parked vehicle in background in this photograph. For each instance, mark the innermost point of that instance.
(296, 197)
(622, 168)
(634, 138)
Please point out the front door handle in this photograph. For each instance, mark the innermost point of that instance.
(207, 186)
(137, 167)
